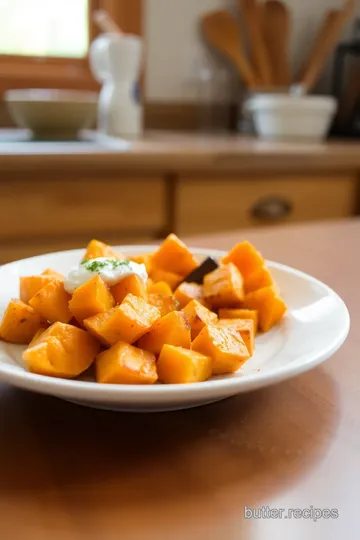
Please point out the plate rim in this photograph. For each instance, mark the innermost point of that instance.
(93, 390)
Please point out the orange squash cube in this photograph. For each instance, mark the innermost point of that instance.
(187, 292)
(165, 304)
(269, 305)
(130, 285)
(96, 249)
(172, 279)
(225, 346)
(52, 303)
(61, 351)
(91, 298)
(125, 364)
(246, 258)
(245, 327)
(258, 280)
(30, 285)
(182, 366)
(143, 259)
(161, 287)
(52, 273)
(224, 287)
(175, 257)
(240, 314)
(198, 316)
(127, 322)
(173, 329)
(19, 323)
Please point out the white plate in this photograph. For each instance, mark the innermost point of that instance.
(315, 326)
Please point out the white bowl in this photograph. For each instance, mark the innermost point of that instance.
(52, 114)
(285, 117)
(314, 328)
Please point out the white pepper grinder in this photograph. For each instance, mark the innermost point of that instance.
(115, 61)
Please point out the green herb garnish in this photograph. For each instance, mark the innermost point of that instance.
(97, 266)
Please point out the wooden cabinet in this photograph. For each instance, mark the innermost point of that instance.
(225, 203)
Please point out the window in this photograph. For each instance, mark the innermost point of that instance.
(45, 43)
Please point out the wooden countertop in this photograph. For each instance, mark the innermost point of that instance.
(81, 474)
(166, 153)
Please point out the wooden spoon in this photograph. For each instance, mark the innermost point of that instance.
(222, 31)
(328, 37)
(253, 17)
(105, 23)
(276, 29)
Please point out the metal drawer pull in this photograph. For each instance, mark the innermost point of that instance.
(271, 209)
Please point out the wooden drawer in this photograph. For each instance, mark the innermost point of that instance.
(90, 207)
(229, 203)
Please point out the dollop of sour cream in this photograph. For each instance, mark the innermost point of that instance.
(109, 269)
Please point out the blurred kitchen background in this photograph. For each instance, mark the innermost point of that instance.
(128, 119)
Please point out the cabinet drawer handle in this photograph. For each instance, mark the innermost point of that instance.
(271, 209)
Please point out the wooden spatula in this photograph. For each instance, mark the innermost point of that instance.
(329, 35)
(276, 31)
(253, 17)
(222, 31)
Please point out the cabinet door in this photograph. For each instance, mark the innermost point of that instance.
(215, 204)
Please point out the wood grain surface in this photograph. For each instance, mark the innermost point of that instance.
(80, 474)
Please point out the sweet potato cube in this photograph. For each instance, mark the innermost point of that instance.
(130, 285)
(171, 278)
(127, 322)
(258, 280)
(246, 258)
(53, 273)
(182, 366)
(91, 298)
(187, 292)
(270, 306)
(173, 329)
(125, 364)
(161, 287)
(96, 249)
(174, 256)
(19, 323)
(30, 285)
(224, 287)
(245, 327)
(143, 259)
(198, 316)
(224, 345)
(240, 314)
(165, 304)
(52, 303)
(61, 351)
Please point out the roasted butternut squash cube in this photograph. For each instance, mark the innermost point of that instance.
(96, 249)
(61, 351)
(240, 314)
(91, 298)
(245, 327)
(224, 345)
(198, 316)
(175, 257)
(143, 259)
(53, 273)
(187, 292)
(182, 366)
(35, 339)
(127, 322)
(19, 323)
(161, 287)
(130, 285)
(258, 280)
(52, 303)
(165, 304)
(125, 364)
(246, 258)
(170, 278)
(269, 305)
(173, 329)
(224, 287)
(30, 285)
